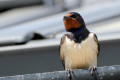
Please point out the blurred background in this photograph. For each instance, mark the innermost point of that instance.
(30, 32)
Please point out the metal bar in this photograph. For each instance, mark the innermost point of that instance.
(101, 73)
(5, 4)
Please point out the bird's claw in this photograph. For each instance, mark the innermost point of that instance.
(92, 69)
(68, 73)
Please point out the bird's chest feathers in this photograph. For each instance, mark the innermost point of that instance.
(80, 54)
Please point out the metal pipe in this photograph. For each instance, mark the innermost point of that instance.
(102, 73)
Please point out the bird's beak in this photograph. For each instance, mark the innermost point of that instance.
(67, 17)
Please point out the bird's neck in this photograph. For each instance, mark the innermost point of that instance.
(80, 33)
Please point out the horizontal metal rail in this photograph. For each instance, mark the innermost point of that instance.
(101, 73)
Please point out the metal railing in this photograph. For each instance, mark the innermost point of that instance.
(101, 73)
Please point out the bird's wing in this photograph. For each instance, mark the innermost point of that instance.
(60, 50)
(96, 39)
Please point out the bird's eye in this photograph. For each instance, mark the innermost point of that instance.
(73, 16)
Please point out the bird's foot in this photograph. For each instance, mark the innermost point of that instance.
(92, 69)
(69, 73)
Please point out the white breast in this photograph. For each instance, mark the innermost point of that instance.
(80, 55)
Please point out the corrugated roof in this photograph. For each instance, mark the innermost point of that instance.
(53, 25)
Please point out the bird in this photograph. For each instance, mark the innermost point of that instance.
(79, 48)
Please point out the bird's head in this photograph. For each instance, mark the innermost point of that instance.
(73, 20)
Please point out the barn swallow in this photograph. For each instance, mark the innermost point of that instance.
(79, 48)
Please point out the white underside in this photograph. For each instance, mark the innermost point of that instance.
(80, 55)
